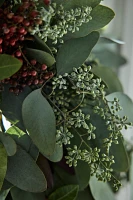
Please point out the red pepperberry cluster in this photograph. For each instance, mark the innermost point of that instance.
(32, 73)
(14, 28)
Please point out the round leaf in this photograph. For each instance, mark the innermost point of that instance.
(68, 192)
(41, 56)
(100, 190)
(8, 66)
(3, 164)
(39, 120)
(57, 155)
(74, 52)
(23, 172)
(8, 143)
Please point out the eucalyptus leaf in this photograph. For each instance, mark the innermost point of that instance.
(74, 52)
(100, 190)
(107, 75)
(126, 104)
(3, 164)
(41, 56)
(3, 194)
(68, 192)
(8, 143)
(13, 111)
(8, 66)
(131, 177)
(101, 16)
(18, 194)
(39, 120)
(57, 155)
(23, 172)
(85, 195)
(83, 174)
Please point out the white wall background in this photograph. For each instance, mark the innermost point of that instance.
(122, 28)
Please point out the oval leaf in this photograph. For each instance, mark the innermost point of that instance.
(39, 120)
(8, 66)
(57, 155)
(3, 194)
(83, 174)
(100, 190)
(41, 56)
(18, 194)
(107, 75)
(23, 172)
(74, 52)
(68, 192)
(3, 164)
(8, 143)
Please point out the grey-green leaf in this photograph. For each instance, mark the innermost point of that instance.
(8, 143)
(3, 164)
(83, 174)
(74, 52)
(131, 177)
(57, 155)
(8, 66)
(18, 194)
(41, 56)
(23, 172)
(68, 192)
(100, 190)
(3, 194)
(107, 75)
(39, 120)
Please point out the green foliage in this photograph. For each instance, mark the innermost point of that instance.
(78, 48)
(107, 75)
(3, 164)
(68, 192)
(40, 122)
(100, 190)
(57, 155)
(23, 172)
(131, 176)
(8, 66)
(1, 2)
(3, 194)
(8, 143)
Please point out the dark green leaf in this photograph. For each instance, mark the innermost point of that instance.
(8, 143)
(85, 195)
(109, 58)
(39, 120)
(100, 190)
(3, 194)
(74, 52)
(23, 140)
(57, 155)
(23, 172)
(83, 174)
(6, 185)
(41, 56)
(13, 110)
(3, 164)
(101, 16)
(125, 102)
(110, 40)
(68, 192)
(18, 194)
(8, 66)
(107, 75)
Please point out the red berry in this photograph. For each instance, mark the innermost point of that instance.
(38, 21)
(44, 67)
(18, 53)
(16, 91)
(21, 37)
(18, 19)
(24, 74)
(26, 23)
(46, 2)
(13, 29)
(10, 15)
(34, 13)
(21, 30)
(46, 76)
(41, 81)
(6, 30)
(1, 40)
(1, 49)
(11, 89)
(33, 62)
(33, 73)
(36, 81)
(12, 42)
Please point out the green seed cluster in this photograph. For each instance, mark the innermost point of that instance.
(57, 22)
